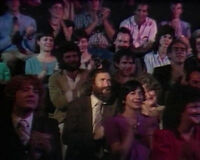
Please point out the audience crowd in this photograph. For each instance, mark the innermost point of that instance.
(98, 80)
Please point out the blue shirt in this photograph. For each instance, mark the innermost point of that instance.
(6, 23)
(35, 67)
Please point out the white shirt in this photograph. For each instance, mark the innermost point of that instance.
(153, 60)
(95, 101)
(146, 33)
(72, 86)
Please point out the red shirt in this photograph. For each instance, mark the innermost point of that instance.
(169, 146)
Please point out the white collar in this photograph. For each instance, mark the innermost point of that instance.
(94, 100)
(16, 119)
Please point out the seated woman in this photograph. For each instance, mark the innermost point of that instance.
(152, 89)
(158, 57)
(181, 134)
(129, 132)
(43, 64)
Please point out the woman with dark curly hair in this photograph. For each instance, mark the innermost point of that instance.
(158, 57)
(129, 132)
(180, 137)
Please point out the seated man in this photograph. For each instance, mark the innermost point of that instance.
(16, 30)
(173, 73)
(182, 28)
(83, 126)
(124, 62)
(28, 134)
(95, 22)
(65, 84)
(143, 29)
(122, 39)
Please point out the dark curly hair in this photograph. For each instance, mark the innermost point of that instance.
(162, 30)
(63, 49)
(17, 82)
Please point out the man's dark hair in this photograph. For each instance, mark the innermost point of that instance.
(53, 2)
(142, 3)
(175, 41)
(124, 52)
(79, 34)
(65, 48)
(95, 72)
(125, 31)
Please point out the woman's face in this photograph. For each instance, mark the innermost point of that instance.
(150, 97)
(165, 40)
(192, 113)
(46, 43)
(134, 99)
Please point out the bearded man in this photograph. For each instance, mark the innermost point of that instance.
(83, 126)
(65, 84)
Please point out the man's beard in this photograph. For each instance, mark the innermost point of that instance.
(71, 67)
(103, 94)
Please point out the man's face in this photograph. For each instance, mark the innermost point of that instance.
(102, 86)
(57, 10)
(95, 5)
(126, 66)
(177, 10)
(26, 98)
(71, 60)
(13, 5)
(83, 44)
(194, 79)
(178, 53)
(122, 41)
(141, 12)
